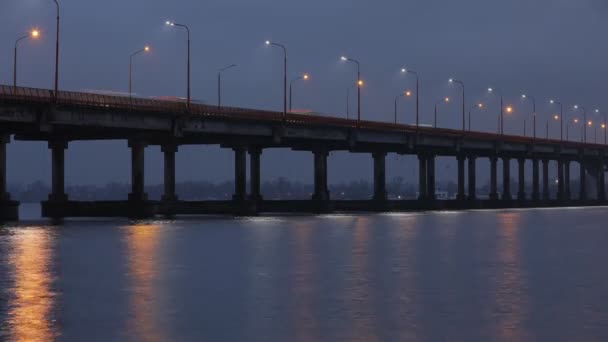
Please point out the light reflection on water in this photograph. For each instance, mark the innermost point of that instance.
(483, 275)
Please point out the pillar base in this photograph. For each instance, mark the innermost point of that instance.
(140, 207)
(521, 196)
(245, 207)
(494, 196)
(507, 197)
(9, 210)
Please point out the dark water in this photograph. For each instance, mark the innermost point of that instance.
(488, 276)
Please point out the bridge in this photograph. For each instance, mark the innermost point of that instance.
(41, 115)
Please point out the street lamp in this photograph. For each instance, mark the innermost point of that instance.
(408, 71)
(597, 112)
(604, 128)
(573, 122)
(57, 53)
(34, 35)
(145, 49)
(406, 93)
(348, 100)
(577, 107)
(501, 121)
(561, 118)
(170, 23)
(219, 84)
(269, 43)
(478, 106)
(304, 77)
(444, 100)
(359, 84)
(463, 105)
(531, 98)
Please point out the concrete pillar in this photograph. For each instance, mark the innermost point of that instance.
(240, 174)
(255, 174)
(535, 180)
(601, 179)
(138, 192)
(169, 151)
(521, 182)
(380, 176)
(461, 195)
(430, 168)
(561, 194)
(58, 171)
(9, 210)
(422, 173)
(472, 179)
(583, 179)
(545, 180)
(493, 178)
(506, 179)
(321, 190)
(567, 193)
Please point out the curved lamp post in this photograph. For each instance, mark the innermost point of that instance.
(359, 84)
(145, 49)
(501, 118)
(531, 98)
(478, 106)
(170, 23)
(408, 71)
(219, 84)
(561, 116)
(304, 77)
(446, 100)
(403, 94)
(269, 43)
(577, 107)
(34, 35)
(57, 53)
(451, 80)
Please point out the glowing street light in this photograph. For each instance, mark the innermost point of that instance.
(573, 122)
(501, 121)
(444, 100)
(282, 47)
(479, 106)
(359, 84)
(219, 84)
(172, 24)
(57, 53)
(561, 116)
(451, 80)
(577, 107)
(304, 77)
(144, 50)
(408, 71)
(407, 93)
(34, 34)
(533, 100)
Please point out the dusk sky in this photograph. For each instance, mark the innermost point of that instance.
(547, 48)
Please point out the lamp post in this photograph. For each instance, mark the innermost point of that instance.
(561, 117)
(405, 93)
(597, 112)
(463, 103)
(604, 128)
(34, 34)
(145, 49)
(359, 84)
(531, 98)
(406, 71)
(479, 106)
(269, 43)
(57, 53)
(577, 107)
(304, 77)
(501, 118)
(348, 100)
(446, 100)
(170, 23)
(572, 122)
(219, 84)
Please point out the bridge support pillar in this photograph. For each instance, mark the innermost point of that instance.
(506, 179)
(535, 181)
(561, 194)
(9, 210)
(169, 194)
(380, 194)
(321, 195)
(430, 168)
(255, 174)
(422, 173)
(461, 195)
(493, 178)
(138, 199)
(546, 180)
(583, 181)
(567, 193)
(58, 171)
(240, 174)
(472, 179)
(521, 182)
(601, 179)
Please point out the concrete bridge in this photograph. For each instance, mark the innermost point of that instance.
(37, 114)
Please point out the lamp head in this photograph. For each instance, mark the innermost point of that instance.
(267, 42)
(490, 90)
(597, 111)
(408, 93)
(146, 48)
(343, 58)
(451, 80)
(305, 76)
(480, 105)
(446, 100)
(403, 70)
(551, 101)
(575, 106)
(523, 96)
(576, 121)
(360, 83)
(509, 109)
(556, 117)
(169, 23)
(35, 33)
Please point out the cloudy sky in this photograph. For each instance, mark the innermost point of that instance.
(547, 48)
